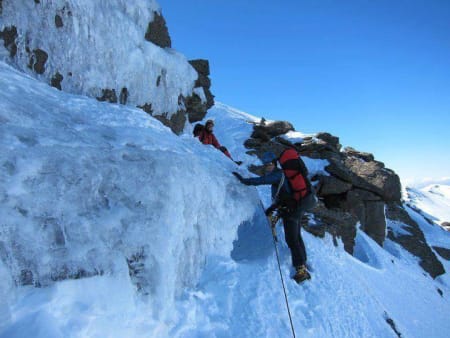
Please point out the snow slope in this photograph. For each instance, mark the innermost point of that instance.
(87, 185)
(434, 200)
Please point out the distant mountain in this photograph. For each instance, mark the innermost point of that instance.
(433, 201)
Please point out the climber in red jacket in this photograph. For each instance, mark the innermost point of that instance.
(206, 136)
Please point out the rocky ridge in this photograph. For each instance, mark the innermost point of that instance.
(358, 191)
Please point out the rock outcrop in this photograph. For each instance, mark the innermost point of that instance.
(406, 232)
(357, 190)
(196, 105)
(357, 185)
(157, 32)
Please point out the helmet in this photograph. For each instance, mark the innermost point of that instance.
(268, 157)
(209, 122)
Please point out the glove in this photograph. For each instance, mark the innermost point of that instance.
(240, 178)
(238, 162)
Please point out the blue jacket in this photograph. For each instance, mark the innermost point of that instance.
(272, 178)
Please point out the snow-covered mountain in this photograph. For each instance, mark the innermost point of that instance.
(113, 226)
(433, 201)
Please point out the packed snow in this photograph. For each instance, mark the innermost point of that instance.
(87, 185)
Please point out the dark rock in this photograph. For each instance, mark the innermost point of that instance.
(285, 142)
(37, 61)
(339, 170)
(336, 222)
(374, 223)
(391, 323)
(252, 143)
(371, 176)
(195, 108)
(202, 81)
(201, 66)
(362, 195)
(277, 128)
(9, 36)
(413, 239)
(56, 80)
(316, 150)
(374, 177)
(336, 201)
(1, 7)
(209, 98)
(108, 95)
(123, 97)
(443, 252)
(158, 81)
(147, 107)
(260, 133)
(58, 21)
(446, 225)
(175, 123)
(37, 1)
(157, 32)
(362, 155)
(330, 185)
(329, 139)
(369, 209)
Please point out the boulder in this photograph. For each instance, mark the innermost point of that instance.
(362, 155)
(371, 176)
(374, 222)
(330, 185)
(330, 140)
(272, 129)
(339, 223)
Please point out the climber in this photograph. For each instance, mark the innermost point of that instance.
(291, 213)
(206, 136)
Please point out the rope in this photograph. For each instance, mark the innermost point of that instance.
(284, 288)
(274, 238)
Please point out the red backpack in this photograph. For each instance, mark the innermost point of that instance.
(297, 175)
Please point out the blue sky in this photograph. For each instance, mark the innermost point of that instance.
(376, 73)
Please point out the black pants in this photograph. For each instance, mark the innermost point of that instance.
(293, 236)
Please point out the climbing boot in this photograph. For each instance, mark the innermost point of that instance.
(301, 274)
